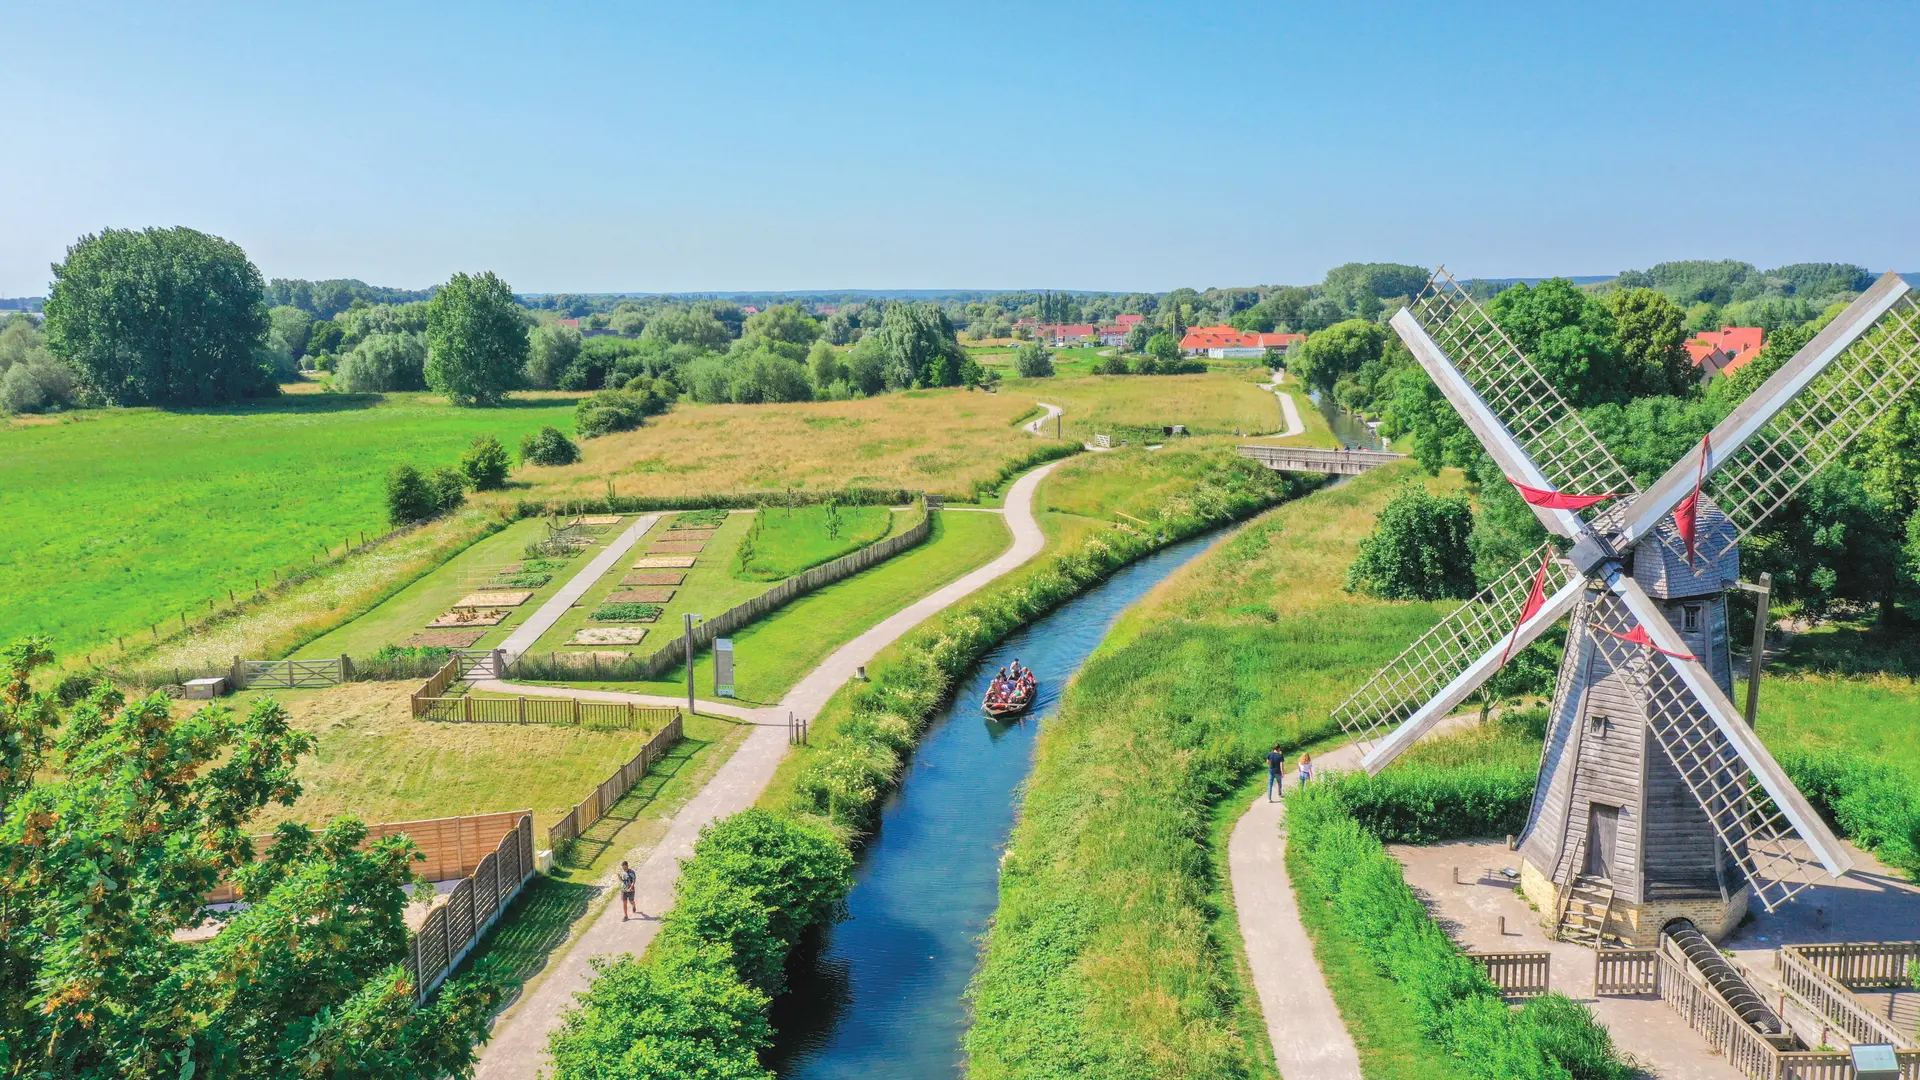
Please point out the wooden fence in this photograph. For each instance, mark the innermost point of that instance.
(669, 656)
(438, 682)
(1828, 997)
(1517, 974)
(455, 927)
(1674, 979)
(609, 791)
(453, 846)
(1862, 965)
(1625, 972)
(291, 674)
(563, 712)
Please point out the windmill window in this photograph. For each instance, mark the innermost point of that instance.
(1690, 618)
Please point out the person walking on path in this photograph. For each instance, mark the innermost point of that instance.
(1276, 771)
(627, 881)
(1306, 768)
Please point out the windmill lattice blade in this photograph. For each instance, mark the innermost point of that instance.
(1446, 650)
(1811, 432)
(1540, 420)
(1772, 855)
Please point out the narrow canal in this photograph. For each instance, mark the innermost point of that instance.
(883, 996)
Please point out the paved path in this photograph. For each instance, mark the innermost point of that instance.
(1039, 426)
(518, 1048)
(542, 620)
(1288, 411)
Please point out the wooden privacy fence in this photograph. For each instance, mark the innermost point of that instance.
(609, 791)
(564, 712)
(1757, 1056)
(455, 927)
(291, 674)
(1517, 974)
(1874, 965)
(668, 656)
(453, 846)
(437, 683)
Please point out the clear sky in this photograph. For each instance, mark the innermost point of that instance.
(727, 146)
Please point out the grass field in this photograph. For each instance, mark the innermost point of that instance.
(1116, 950)
(774, 653)
(790, 540)
(1845, 686)
(1135, 407)
(122, 518)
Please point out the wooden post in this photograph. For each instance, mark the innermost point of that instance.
(466, 707)
(523, 710)
(576, 712)
(1758, 659)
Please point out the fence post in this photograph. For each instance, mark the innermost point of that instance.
(523, 710)
(466, 707)
(576, 712)
(630, 724)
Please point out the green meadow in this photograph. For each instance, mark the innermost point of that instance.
(118, 519)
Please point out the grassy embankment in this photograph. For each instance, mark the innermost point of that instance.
(789, 540)
(1124, 955)
(1134, 408)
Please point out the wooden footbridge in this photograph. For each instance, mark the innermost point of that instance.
(1315, 460)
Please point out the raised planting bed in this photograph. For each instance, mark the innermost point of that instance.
(598, 519)
(471, 617)
(444, 639)
(525, 579)
(654, 577)
(664, 562)
(698, 519)
(608, 635)
(624, 612)
(689, 534)
(502, 599)
(642, 596)
(677, 547)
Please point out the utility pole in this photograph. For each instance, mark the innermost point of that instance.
(1758, 658)
(690, 618)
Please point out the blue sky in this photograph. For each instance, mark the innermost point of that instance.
(716, 146)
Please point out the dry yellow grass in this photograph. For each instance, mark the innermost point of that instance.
(1216, 403)
(938, 440)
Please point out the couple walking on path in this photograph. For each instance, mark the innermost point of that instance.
(1277, 770)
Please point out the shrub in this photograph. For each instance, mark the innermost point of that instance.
(627, 612)
(524, 579)
(1417, 550)
(36, 385)
(409, 497)
(680, 1012)
(484, 463)
(1877, 805)
(609, 411)
(1424, 804)
(382, 363)
(1454, 1004)
(449, 488)
(548, 446)
(1033, 361)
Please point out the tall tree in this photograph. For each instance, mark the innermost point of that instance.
(1418, 549)
(476, 340)
(920, 347)
(1568, 335)
(1337, 351)
(1652, 335)
(161, 316)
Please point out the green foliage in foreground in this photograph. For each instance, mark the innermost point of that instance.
(1417, 550)
(1454, 1004)
(695, 1005)
(115, 820)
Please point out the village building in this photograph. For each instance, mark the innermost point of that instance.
(1226, 343)
(1726, 350)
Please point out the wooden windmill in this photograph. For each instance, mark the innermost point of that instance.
(1655, 800)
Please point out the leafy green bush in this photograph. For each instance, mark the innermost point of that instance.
(615, 410)
(548, 446)
(1875, 804)
(485, 463)
(681, 1012)
(1033, 361)
(1453, 1002)
(627, 612)
(1417, 550)
(409, 497)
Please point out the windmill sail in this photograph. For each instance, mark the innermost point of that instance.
(1481, 625)
(1547, 428)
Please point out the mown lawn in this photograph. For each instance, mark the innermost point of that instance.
(118, 519)
(1112, 930)
(793, 539)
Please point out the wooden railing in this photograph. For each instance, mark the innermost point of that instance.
(437, 683)
(292, 674)
(1624, 972)
(1829, 997)
(1863, 965)
(564, 712)
(609, 791)
(1566, 892)
(1517, 974)
(455, 927)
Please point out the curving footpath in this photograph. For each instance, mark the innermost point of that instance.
(1288, 411)
(518, 1047)
(1039, 426)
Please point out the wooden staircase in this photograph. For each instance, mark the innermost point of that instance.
(1586, 905)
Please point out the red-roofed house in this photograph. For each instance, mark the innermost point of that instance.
(1114, 335)
(1126, 322)
(1070, 333)
(1726, 350)
(1226, 343)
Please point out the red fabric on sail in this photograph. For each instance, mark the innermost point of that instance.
(1686, 513)
(1639, 636)
(1536, 599)
(1559, 500)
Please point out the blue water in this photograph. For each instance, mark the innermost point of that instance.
(882, 995)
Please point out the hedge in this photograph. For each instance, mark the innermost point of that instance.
(1454, 1004)
(1421, 804)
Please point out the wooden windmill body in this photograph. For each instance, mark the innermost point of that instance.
(1656, 801)
(1616, 844)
